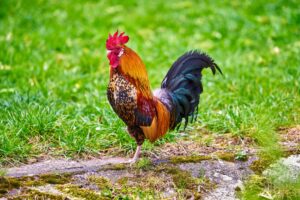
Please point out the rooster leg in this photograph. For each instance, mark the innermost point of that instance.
(137, 133)
(136, 155)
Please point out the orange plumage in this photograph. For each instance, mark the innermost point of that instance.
(133, 67)
(160, 123)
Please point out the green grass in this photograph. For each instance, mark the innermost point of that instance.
(54, 71)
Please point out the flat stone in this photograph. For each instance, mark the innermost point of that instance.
(227, 176)
(61, 166)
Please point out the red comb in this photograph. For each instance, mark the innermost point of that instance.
(116, 40)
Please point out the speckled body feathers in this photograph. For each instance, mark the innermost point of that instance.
(122, 96)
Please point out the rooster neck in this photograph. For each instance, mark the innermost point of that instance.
(134, 70)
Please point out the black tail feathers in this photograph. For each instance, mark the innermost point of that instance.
(183, 83)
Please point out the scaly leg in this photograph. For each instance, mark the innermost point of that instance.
(137, 133)
(136, 155)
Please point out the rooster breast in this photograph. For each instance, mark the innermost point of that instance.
(122, 96)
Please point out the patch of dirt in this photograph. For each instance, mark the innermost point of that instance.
(290, 140)
(206, 145)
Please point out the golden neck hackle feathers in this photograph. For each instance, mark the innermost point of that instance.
(133, 67)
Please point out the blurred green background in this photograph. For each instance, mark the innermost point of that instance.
(54, 71)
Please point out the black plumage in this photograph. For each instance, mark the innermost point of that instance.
(183, 83)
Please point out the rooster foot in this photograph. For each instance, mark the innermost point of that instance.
(136, 155)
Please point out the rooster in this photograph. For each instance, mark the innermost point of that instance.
(149, 115)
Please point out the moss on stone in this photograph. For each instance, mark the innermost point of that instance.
(55, 178)
(102, 182)
(119, 166)
(76, 191)
(186, 185)
(34, 194)
(123, 181)
(146, 184)
(7, 184)
(227, 156)
(181, 178)
(258, 166)
(2, 172)
(143, 163)
(10, 183)
(189, 159)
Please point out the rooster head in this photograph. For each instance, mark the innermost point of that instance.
(115, 48)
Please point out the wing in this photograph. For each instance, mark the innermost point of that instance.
(145, 111)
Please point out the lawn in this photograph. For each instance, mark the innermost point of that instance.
(54, 71)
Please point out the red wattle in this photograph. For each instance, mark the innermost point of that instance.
(113, 59)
